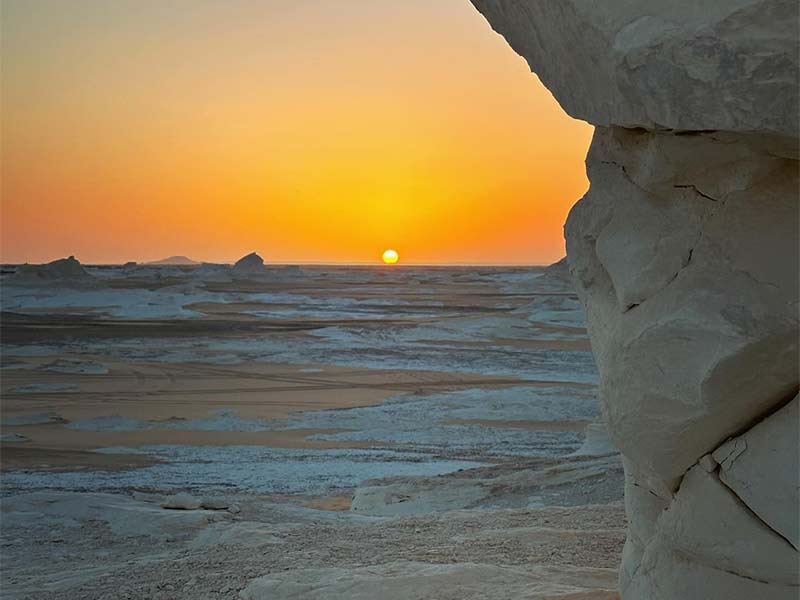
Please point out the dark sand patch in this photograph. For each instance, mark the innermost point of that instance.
(15, 457)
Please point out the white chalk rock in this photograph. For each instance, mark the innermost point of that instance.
(728, 65)
(689, 284)
(249, 266)
(668, 575)
(684, 255)
(595, 441)
(709, 523)
(64, 271)
(762, 467)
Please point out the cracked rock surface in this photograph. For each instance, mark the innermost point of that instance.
(685, 254)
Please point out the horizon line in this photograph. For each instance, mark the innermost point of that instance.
(308, 263)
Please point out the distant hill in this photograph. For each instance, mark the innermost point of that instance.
(174, 260)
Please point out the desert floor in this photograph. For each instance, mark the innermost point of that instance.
(349, 433)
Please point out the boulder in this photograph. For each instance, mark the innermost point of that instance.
(181, 501)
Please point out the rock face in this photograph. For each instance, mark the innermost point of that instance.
(684, 253)
(249, 266)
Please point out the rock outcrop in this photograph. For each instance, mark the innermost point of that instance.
(64, 272)
(251, 265)
(684, 253)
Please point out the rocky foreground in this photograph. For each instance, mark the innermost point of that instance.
(448, 537)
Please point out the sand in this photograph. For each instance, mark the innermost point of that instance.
(156, 393)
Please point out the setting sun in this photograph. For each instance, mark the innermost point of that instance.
(390, 257)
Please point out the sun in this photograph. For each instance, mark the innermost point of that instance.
(390, 257)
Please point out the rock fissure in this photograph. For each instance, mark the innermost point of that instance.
(757, 517)
(764, 415)
(696, 190)
(649, 491)
(689, 557)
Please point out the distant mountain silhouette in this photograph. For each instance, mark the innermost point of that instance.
(174, 260)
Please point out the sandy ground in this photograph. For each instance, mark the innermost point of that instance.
(162, 393)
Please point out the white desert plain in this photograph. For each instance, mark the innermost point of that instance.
(316, 432)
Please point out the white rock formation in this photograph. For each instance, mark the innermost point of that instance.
(251, 265)
(181, 501)
(559, 271)
(64, 272)
(726, 65)
(126, 517)
(595, 441)
(685, 255)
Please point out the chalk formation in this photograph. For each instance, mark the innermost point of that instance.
(684, 253)
(249, 266)
(64, 271)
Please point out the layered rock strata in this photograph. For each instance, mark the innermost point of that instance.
(684, 252)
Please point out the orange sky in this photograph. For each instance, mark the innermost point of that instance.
(307, 130)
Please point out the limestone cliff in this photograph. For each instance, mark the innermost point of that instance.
(685, 254)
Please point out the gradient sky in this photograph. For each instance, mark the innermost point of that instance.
(307, 130)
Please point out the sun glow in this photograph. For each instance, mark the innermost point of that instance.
(212, 128)
(390, 257)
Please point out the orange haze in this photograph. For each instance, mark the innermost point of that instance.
(307, 130)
